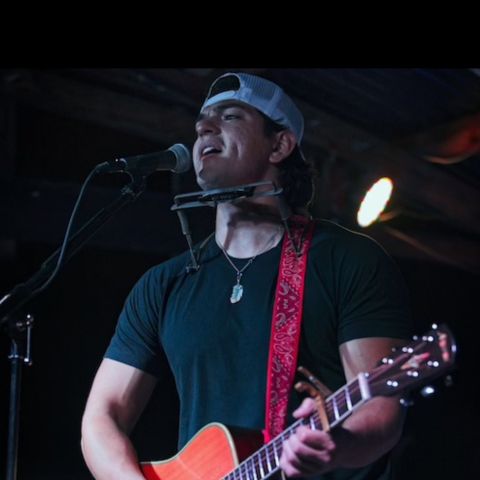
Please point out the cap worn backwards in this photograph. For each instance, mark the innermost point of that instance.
(261, 94)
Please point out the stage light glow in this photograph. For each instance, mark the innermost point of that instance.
(374, 202)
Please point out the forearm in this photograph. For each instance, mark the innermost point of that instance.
(107, 450)
(369, 433)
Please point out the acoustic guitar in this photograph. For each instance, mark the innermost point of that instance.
(216, 453)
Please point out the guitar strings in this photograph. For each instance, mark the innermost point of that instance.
(265, 459)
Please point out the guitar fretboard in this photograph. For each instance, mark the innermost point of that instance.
(338, 406)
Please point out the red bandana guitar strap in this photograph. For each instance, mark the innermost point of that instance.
(286, 323)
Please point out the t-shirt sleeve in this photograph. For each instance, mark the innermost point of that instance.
(373, 298)
(136, 339)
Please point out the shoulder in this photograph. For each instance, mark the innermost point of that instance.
(340, 242)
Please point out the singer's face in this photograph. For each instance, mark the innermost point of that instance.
(232, 147)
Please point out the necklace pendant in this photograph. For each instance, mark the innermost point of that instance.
(237, 292)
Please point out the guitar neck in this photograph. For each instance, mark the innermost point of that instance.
(338, 406)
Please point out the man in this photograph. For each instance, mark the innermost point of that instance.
(216, 338)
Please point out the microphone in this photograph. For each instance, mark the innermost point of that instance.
(177, 158)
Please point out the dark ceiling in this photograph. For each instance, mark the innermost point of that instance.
(419, 126)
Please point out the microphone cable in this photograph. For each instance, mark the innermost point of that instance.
(66, 236)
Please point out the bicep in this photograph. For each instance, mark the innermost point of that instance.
(364, 354)
(121, 392)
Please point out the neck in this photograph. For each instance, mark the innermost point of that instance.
(247, 228)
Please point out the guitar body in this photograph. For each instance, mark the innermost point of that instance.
(210, 455)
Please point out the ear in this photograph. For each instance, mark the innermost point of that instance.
(284, 143)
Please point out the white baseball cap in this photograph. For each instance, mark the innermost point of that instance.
(260, 93)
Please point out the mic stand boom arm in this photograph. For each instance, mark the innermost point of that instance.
(23, 292)
(19, 330)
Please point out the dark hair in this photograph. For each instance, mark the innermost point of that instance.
(295, 173)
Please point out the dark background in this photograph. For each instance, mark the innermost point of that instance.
(418, 124)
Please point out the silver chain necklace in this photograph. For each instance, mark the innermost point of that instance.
(237, 290)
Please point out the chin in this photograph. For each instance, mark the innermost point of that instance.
(208, 184)
(214, 183)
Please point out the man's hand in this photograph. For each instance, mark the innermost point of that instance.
(307, 452)
(370, 432)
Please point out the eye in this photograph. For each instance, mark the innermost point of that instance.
(232, 114)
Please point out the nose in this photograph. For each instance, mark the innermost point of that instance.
(206, 124)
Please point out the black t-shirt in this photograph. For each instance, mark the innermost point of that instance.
(218, 351)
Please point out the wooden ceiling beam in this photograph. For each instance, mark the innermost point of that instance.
(99, 105)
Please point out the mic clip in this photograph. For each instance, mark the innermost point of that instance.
(192, 268)
(116, 165)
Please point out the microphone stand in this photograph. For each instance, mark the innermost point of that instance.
(19, 329)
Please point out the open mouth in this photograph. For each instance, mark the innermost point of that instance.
(209, 150)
